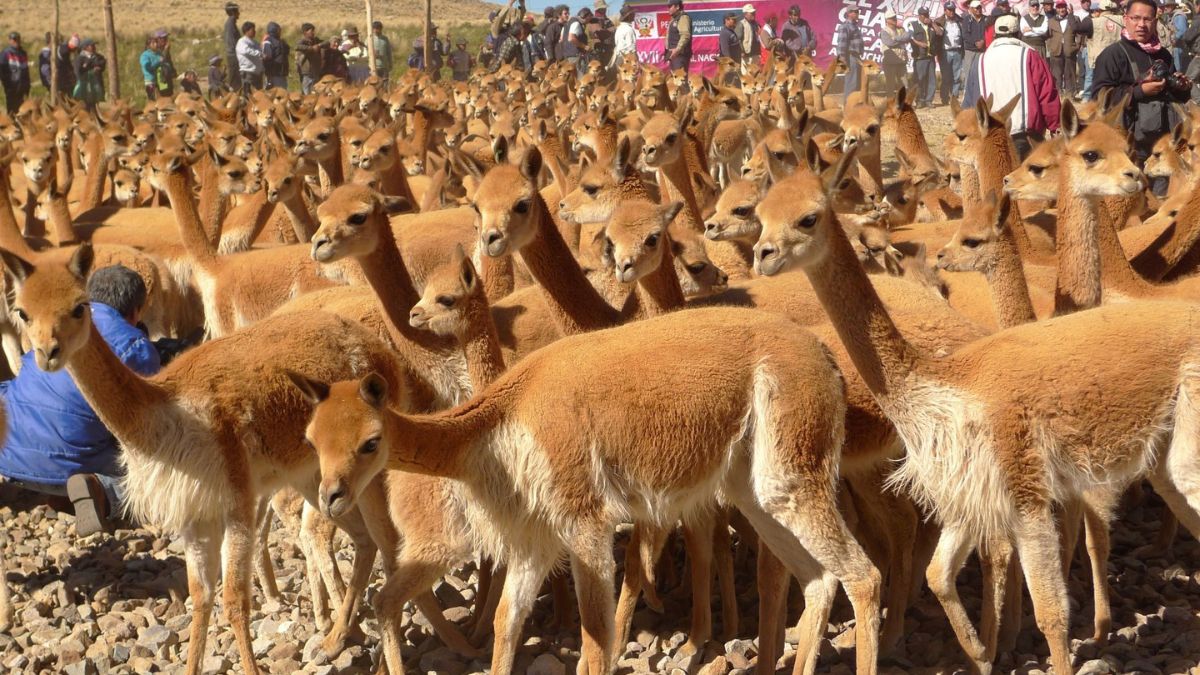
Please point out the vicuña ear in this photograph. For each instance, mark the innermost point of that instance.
(313, 390)
(983, 110)
(81, 261)
(466, 268)
(667, 212)
(18, 268)
(1069, 120)
(531, 164)
(395, 204)
(374, 390)
(842, 168)
(500, 150)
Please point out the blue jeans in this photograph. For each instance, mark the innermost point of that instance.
(306, 84)
(1087, 81)
(853, 74)
(111, 485)
(924, 80)
(955, 58)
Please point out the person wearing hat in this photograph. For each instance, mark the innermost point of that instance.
(216, 78)
(1035, 28)
(895, 52)
(275, 57)
(356, 55)
(166, 72)
(461, 62)
(926, 45)
(624, 36)
(679, 37)
(747, 32)
(1011, 68)
(308, 57)
(1098, 31)
(600, 33)
(974, 28)
(231, 34)
(1138, 66)
(1062, 48)
(89, 74)
(250, 59)
(848, 38)
(951, 61)
(15, 63)
(383, 51)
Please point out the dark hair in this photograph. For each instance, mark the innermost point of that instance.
(118, 287)
(794, 9)
(549, 12)
(247, 27)
(377, 24)
(562, 8)
(1149, 3)
(306, 26)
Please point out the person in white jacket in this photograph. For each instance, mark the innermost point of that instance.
(624, 37)
(250, 59)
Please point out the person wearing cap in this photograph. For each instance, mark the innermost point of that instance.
(797, 34)
(355, 52)
(1035, 28)
(308, 57)
(1138, 66)
(679, 37)
(747, 31)
(1098, 31)
(728, 44)
(216, 78)
(953, 44)
(383, 51)
(231, 34)
(1011, 68)
(89, 74)
(600, 33)
(926, 44)
(974, 28)
(895, 52)
(848, 38)
(1062, 48)
(275, 57)
(249, 59)
(624, 36)
(15, 63)
(461, 62)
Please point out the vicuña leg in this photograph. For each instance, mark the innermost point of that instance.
(1038, 546)
(240, 533)
(697, 537)
(954, 545)
(773, 579)
(264, 569)
(1096, 521)
(593, 569)
(521, 585)
(722, 545)
(202, 551)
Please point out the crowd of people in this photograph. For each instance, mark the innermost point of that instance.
(80, 70)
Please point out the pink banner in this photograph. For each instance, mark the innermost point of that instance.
(652, 18)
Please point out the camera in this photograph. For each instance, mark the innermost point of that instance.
(1177, 82)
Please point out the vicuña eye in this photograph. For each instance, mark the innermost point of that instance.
(808, 221)
(521, 207)
(369, 447)
(445, 301)
(357, 219)
(972, 243)
(1091, 157)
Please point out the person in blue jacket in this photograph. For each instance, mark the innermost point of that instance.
(56, 443)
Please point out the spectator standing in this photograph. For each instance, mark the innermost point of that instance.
(151, 63)
(356, 55)
(624, 37)
(249, 59)
(747, 30)
(308, 57)
(600, 33)
(951, 63)
(166, 70)
(550, 29)
(44, 64)
(15, 62)
(1063, 47)
(1180, 20)
(333, 60)
(276, 57)
(461, 61)
(1165, 28)
(1035, 28)
(574, 39)
(383, 51)
(189, 83)
(679, 37)
(67, 54)
(922, 40)
(974, 28)
(849, 38)
(231, 35)
(1011, 68)
(728, 43)
(1138, 65)
(519, 48)
(797, 35)
(560, 42)
(56, 443)
(216, 78)
(895, 52)
(769, 38)
(89, 74)
(1101, 29)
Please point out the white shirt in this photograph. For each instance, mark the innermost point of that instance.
(625, 41)
(249, 56)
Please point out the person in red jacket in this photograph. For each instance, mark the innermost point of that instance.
(1010, 68)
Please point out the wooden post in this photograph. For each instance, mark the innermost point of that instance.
(428, 36)
(370, 37)
(110, 39)
(54, 58)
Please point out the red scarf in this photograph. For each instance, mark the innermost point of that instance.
(1149, 47)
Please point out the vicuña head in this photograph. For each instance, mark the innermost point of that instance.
(506, 203)
(1037, 177)
(637, 238)
(797, 221)
(52, 306)
(1096, 157)
(350, 222)
(448, 289)
(973, 246)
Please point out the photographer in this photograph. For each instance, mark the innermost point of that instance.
(1138, 65)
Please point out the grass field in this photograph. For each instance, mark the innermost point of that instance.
(196, 27)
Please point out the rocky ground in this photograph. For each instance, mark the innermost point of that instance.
(112, 604)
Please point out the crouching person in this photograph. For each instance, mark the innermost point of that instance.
(56, 443)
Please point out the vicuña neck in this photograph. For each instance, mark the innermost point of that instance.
(1078, 249)
(996, 161)
(213, 204)
(93, 185)
(11, 238)
(1157, 260)
(303, 223)
(481, 344)
(659, 292)
(439, 444)
(1010, 291)
(191, 230)
(1115, 271)
(59, 216)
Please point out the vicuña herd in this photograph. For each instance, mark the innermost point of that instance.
(473, 325)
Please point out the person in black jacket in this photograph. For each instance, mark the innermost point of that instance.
(1139, 67)
(550, 29)
(232, 34)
